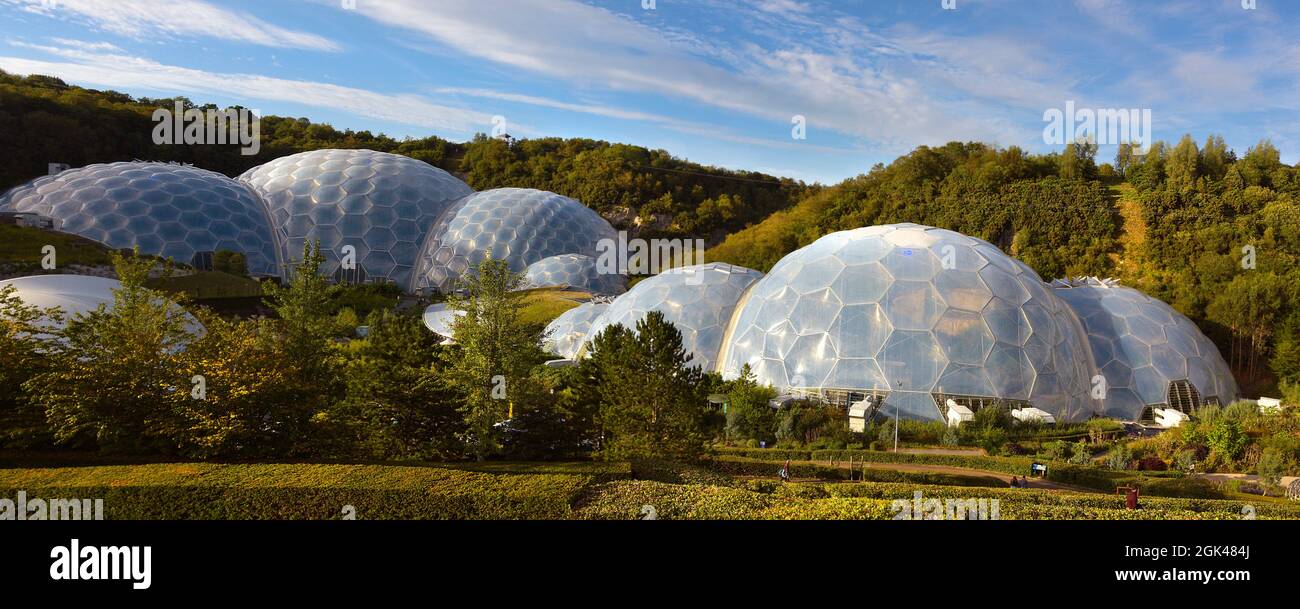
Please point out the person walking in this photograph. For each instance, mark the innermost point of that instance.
(785, 471)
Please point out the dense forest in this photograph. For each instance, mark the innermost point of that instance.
(649, 192)
(1215, 235)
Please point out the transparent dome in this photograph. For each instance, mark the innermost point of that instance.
(917, 314)
(576, 271)
(379, 203)
(167, 210)
(1143, 346)
(440, 319)
(518, 225)
(698, 299)
(566, 333)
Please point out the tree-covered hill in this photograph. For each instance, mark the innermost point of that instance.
(650, 192)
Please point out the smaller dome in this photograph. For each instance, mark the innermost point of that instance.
(439, 319)
(566, 333)
(1147, 351)
(575, 271)
(518, 225)
(73, 295)
(697, 299)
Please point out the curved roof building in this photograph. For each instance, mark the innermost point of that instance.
(1150, 354)
(698, 299)
(381, 204)
(916, 315)
(565, 334)
(167, 210)
(74, 295)
(518, 225)
(576, 271)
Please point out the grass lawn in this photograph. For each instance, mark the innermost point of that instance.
(22, 245)
(208, 284)
(545, 304)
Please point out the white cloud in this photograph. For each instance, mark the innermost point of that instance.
(128, 72)
(594, 47)
(144, 19)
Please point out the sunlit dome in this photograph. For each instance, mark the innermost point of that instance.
(381, 204)
(915, 314)
(1150, 354)
(698, 299)
(439, 319)
(74, 295)
(575, 271)
(566, 333)
(518, 225)
(167, 210)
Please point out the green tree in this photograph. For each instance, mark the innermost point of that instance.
(113, 380)
(749, 415)
(230, 262)
(652, 398)
(305, 329)
(25, 354)
(496, 350)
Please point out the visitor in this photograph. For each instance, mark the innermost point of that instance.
(1015, 483)
(785, 471)
(1024, 482)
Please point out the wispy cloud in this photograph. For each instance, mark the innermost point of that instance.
(129, 72)
(144, 19)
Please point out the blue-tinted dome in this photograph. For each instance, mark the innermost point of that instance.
(518, 225)
(381, 204)
(698, 299)
(1143, 346)
(565, 334)
(576, 271)
(167, 210)
(918, 314)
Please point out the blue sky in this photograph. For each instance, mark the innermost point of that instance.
(714, 81)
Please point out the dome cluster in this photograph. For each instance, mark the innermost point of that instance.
(377, 216)
(919, 316)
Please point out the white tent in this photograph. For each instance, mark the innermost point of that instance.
(1169, 417)
(1029, 414)
(958, 414)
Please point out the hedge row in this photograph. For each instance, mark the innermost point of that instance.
(739, 466)
(286, 491)
(1079, 475)
(636, 499)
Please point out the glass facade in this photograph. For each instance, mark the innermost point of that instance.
(574, 270)
(914, 312)
(565, 335)
(518, 225)
(698, 299)
(380, 204)
(167, 210)
(1142, 346)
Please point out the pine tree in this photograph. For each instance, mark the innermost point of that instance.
(496, 350)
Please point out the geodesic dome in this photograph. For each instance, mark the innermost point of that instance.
(698, 299)
(566, 333)
(918, 315)
(518, 225)
(573, 270)
(1148, 353)
(439, 319)
(167, 210)
(379, 203)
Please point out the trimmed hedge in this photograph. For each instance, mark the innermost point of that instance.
(737, 466)
(313, 491)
